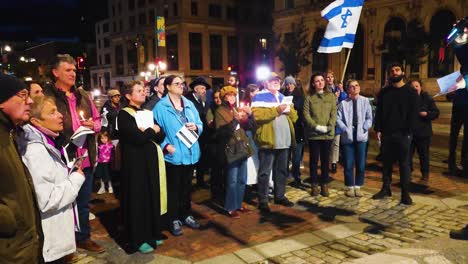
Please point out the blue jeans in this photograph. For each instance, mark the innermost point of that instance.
(297, 156)
(354, 154)
(236, 179)
(82, 202)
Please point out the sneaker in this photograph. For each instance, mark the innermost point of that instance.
(176, 228)
(461, 234)
(285, 202)
(190, 221)
(92, 216)
(350, 192)
(264, 208)
(357, 192)
(333, 168)
(111, 190)
(234, 214)
(315, 190)
(101, 190)
(145, 248)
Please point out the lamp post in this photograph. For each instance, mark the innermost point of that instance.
(157, 67)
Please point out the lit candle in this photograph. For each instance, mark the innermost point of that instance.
(241, 104)
(82, 115)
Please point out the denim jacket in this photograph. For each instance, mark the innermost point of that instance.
(345, 119)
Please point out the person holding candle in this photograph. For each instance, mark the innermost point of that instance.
(78, 110)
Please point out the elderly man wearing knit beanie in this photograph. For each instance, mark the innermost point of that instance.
(19, 214)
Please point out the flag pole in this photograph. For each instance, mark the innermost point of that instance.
(345, 66)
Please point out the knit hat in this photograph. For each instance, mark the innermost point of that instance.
(289, 80)
(227, 89)
(9, 86)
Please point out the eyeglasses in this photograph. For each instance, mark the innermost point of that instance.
(23, 95)
(178, 84)
(117, 95)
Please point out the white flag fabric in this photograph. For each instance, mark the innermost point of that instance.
(343, 19)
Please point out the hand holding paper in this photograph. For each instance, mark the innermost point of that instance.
(321, 129)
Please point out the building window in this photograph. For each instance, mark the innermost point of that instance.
(107, 80)
(194, 8)
(131, 22)
(216, 52)
(107, 59)
(132, 58)
(195, 40)
(98, 29)
(113, 10)
(233, 52)
(99, 44)
(214, 10)
(441, 57)
(95, 80)
(288, 4)
(114, 27)
(106, 42)
(172, 52)
(217, 82)
(319, 60)
(142, 19)
(120, 25)
(131, 5)
(105, 27)
(100, 60)
(355, 69)
(231, 13)
(119, 8)
(249, 45)
(152, 17)
(141, 3)
(119, 60)
(175, 9)
(166, 11)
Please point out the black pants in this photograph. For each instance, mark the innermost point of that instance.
(202, 165)
(459, 115)
(319, 148)
(179, 185)
(421, 144)
(396, 147)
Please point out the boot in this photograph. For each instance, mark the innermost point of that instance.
(102, 189)
(315, 190)
(384, 192)
(350, 192)
(405, 198)
(333, 168)
(461, 234)
(425, 176)
(324, 190)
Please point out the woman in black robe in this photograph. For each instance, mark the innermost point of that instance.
(144, 195)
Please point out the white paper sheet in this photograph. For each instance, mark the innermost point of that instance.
(144, 119)
(449, 83)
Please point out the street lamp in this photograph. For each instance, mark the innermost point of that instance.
(7, 48)
(157, 68)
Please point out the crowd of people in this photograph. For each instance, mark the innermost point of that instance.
(247, 141)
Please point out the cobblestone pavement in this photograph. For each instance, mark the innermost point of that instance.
(335, 229)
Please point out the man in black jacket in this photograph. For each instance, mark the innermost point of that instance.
(422, 135)
(397, 108)
(198, 97)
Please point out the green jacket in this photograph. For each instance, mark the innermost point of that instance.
(320, 109)
(265, 134)
(20, 221)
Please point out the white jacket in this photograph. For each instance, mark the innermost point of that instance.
(56, 191)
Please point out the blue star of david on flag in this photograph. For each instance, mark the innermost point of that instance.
(343, 19)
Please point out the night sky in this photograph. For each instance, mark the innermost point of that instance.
(36, 20)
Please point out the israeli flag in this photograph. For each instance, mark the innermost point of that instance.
(343, 17)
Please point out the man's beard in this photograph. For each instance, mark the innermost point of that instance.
(396, 79)
(201, 97)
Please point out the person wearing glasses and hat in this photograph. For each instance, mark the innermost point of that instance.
(198, 98)
(21, 235)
